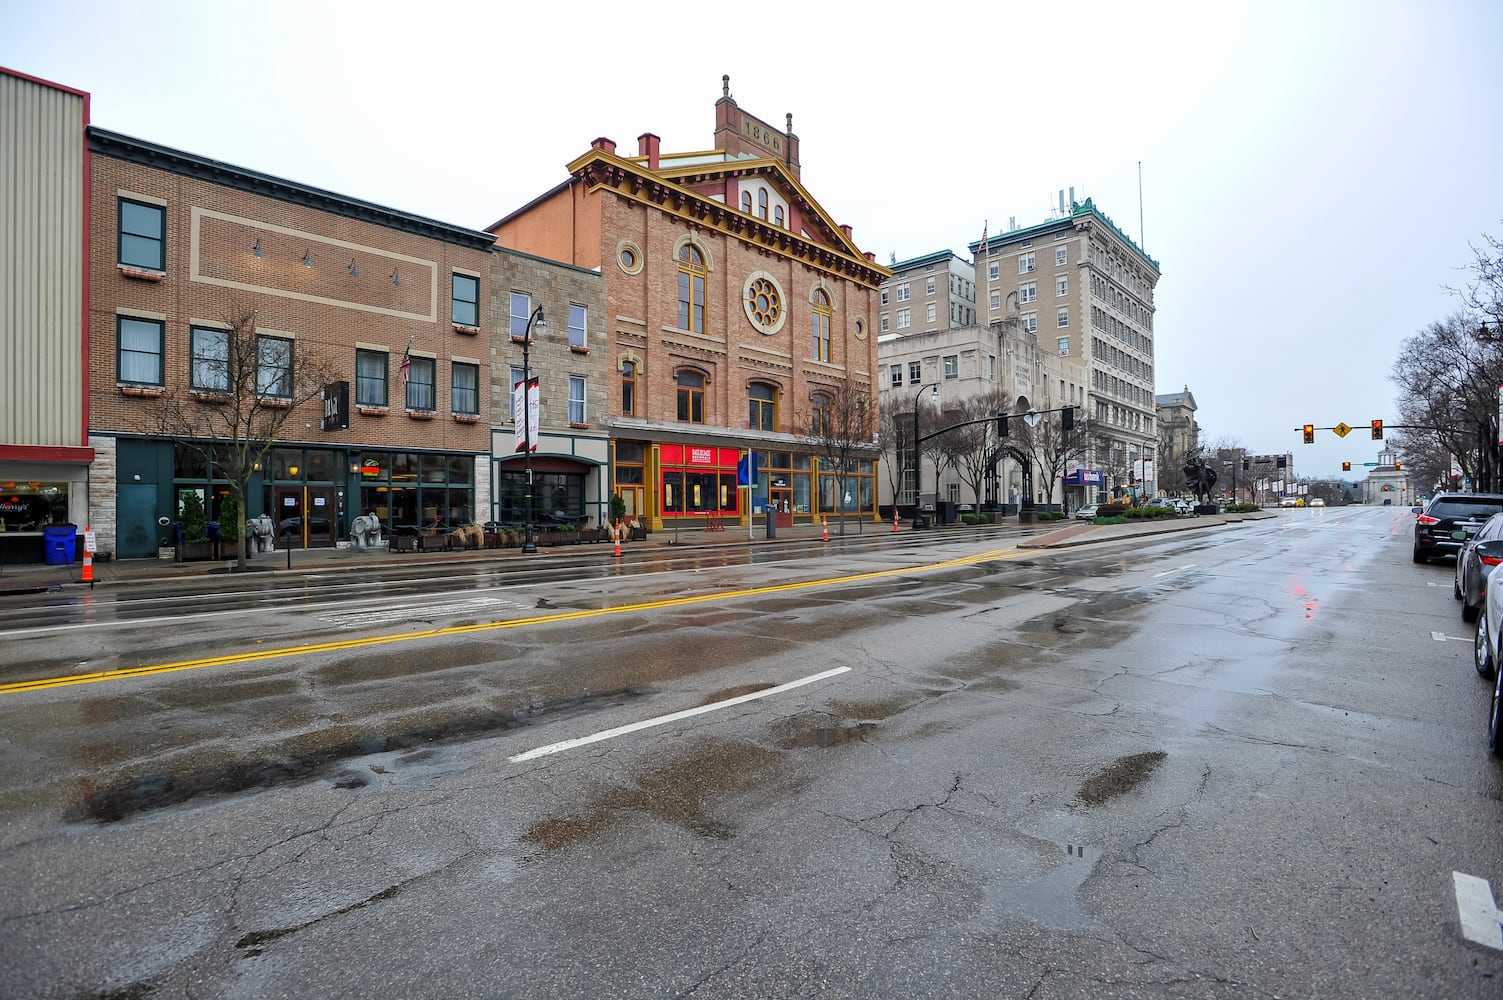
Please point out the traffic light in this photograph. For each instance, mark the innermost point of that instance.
(1244, 465)
(1067, 419)
(1346, 466)
(1377, 430)
(1309, 434)
(1001, 425)
(1397, 464)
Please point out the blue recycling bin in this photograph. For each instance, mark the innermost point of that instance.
(58, 541)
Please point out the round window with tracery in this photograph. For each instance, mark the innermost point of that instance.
(764, 302)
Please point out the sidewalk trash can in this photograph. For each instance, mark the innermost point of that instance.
(772, 522)
(58, 543)
(947, 512)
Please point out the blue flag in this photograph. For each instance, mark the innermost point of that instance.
(745, 476)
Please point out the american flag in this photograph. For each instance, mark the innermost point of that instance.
(983, 234)
(405, 368)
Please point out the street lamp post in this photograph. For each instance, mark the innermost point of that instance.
(918, 474)
(529, 544)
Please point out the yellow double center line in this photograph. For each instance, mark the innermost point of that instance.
(69, 680)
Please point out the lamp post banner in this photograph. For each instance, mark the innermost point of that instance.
(520, 437)
(534, 408)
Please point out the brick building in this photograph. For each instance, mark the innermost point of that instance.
(736, 313)
(181, 245)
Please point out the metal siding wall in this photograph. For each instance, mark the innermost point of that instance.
(41, 264)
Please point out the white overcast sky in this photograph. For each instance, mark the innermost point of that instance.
(1313, 172)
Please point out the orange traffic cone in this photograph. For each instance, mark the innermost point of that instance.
(616, 534)
(825, 522)
(894, 519)
(88, 568)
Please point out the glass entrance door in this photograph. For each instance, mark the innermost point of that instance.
(306, 517)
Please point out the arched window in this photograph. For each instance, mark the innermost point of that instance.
(764, 407)
(691, 397)
(761, 203)
(691, 288)
(819, 426)
(821, 322)
(628, 388)
(746, 202)
(777, 216)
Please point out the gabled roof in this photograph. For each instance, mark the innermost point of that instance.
(671, 188)
(1185, 399)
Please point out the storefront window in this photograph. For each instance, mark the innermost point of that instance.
(404, 467)
(189, 463)
(321, 467)
(31, 506)
(435, 469)
(460, 469)
(286, 463)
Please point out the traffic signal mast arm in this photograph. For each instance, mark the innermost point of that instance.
(990, 419)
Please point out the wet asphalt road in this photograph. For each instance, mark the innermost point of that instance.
(1234, 762)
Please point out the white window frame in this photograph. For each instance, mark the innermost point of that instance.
(1026, 262)
(994, 270)
(577, 397)
(1061, 285)
(1028, 291)
(904, 319)
(1062, 344)
(1030, 322)
(932, 313)
(895, 376)
(915, 372)
(995, 299)
(902, 295)
(579, 325)
(951, 363)
(1061, 255)
(929, 285)
(1062, 318)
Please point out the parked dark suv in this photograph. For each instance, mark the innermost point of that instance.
(1435, 527)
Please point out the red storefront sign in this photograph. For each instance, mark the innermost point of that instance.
(695, 454)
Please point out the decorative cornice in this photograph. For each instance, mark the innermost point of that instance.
(149, 154)
(633, 182)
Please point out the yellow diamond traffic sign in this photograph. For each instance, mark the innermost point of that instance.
(1342, 430)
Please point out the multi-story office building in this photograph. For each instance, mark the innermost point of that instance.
(1081, 283)
(739, 318)
(933, 292)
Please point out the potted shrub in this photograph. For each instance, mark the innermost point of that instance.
(194, 524)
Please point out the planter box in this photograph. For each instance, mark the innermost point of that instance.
(194, 551)
(403, 543)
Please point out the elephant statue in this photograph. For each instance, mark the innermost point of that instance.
(365, 531)
(260, 534)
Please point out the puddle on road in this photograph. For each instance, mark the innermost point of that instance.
(682, 792)
(313, 755)
(1124, 774)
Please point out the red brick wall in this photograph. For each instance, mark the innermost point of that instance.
(325, 307)
(652, 297)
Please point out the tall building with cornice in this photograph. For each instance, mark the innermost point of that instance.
(1086, 289)
(738, 313)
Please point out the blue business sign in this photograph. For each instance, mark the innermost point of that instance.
(1084, 477)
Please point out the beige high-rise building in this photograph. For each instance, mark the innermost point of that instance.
(932, 336)
(1085, 289)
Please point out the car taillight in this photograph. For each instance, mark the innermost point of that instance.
(1491, 560)
(1427, 519)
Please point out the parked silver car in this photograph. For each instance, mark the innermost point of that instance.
(1486, 655)
(1086, 513)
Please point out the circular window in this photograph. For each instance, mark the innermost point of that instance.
(763, 301)
(629, 257)
(860, 330)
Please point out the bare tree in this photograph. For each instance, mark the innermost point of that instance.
(896, 439)
(971, 447)
(1049, 447)
(242, 390)
(1447, 377)
(841, 434)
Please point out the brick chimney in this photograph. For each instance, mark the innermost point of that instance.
(847, 230)
(604, 144)
(650, 146)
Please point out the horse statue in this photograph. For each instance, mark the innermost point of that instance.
(260, 534)
(365, 531)
(1200, 477)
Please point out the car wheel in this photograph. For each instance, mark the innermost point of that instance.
(1469, 612)
(1495, 720)
(1482, 651)
(1456, 587)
